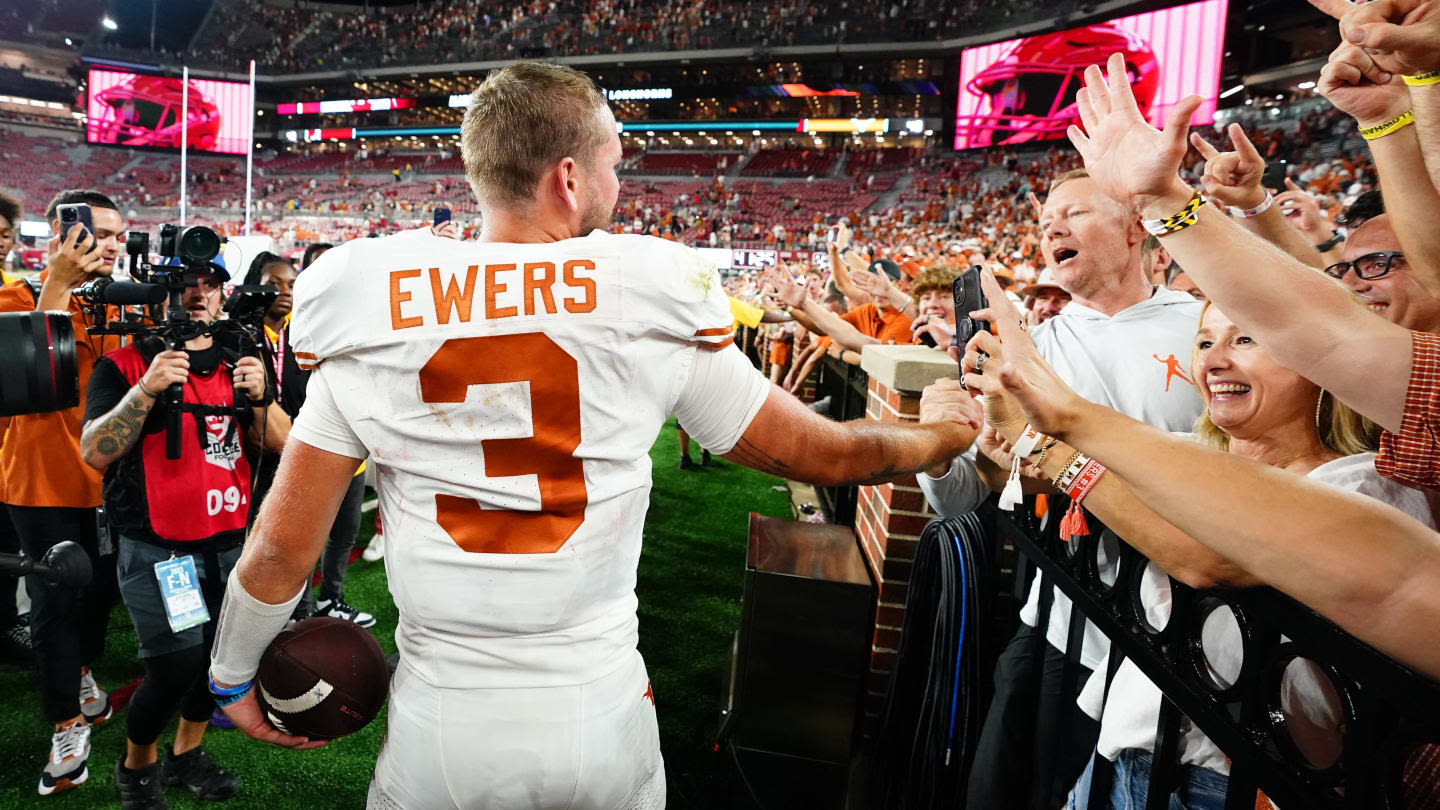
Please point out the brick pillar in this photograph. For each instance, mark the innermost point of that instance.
(807, 388)
(890, 517)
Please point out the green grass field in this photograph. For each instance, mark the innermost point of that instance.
(690, 579)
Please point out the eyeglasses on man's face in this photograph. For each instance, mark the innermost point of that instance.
(1369, 267)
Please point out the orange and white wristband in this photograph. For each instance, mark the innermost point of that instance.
(1080, 475)
(1013, 494)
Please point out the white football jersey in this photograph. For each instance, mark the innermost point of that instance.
(508, 395)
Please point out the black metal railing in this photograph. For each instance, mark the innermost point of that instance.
(847, 388)
(1387, 713)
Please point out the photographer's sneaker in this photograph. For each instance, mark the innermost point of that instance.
(140, 789)
(69, 751)
(15, 644)
(195, 770)
(376, 549)
(94, 702)
(339, 609)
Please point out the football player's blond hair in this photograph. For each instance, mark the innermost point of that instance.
(522, 120)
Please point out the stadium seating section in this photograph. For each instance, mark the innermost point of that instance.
(686, 195)
(291, 40)
(705, 164)
(791, 163)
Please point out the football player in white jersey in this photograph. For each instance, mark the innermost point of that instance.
(508, 391)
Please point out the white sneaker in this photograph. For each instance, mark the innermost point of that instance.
(69, 752)
(94, 703)
(376, 549)
(340, 609)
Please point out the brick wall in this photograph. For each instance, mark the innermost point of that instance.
(807, 389)
(890, 517)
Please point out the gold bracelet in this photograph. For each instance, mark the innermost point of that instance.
(1400, 121)
(1055, 482)
(1423, 79)
(1045, 451)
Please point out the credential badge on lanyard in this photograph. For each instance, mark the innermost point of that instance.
(180, 590)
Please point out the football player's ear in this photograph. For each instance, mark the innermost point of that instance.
(565, 175)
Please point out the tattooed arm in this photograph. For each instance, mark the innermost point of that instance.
(789, 440)
(111, 436)
(107, 437)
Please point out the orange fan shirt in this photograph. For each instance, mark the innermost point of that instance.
(891, 326)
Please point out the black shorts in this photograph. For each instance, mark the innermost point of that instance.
(140, 590)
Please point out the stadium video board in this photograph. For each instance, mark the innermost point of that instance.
(1023, 90)
(133, 109)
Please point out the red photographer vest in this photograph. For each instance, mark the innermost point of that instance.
(206, 491)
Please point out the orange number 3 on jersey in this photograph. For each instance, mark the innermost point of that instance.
(548, 453)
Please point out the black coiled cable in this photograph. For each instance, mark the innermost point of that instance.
(932, 712)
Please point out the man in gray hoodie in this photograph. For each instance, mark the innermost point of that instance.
(1121, 342)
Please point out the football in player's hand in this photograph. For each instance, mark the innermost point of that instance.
(322, 678)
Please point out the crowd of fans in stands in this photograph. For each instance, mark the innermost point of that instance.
(293, 39)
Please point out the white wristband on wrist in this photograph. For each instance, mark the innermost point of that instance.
(1246, 213)
(246, 628)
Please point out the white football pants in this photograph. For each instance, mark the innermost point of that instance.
(590, 747)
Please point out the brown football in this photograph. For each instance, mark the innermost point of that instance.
(322, 678)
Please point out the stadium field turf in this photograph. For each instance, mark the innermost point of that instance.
(690, 578)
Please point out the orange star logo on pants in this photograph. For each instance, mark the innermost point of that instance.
(1172, 370)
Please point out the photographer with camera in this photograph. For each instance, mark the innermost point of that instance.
(51, 495)
(179, 523)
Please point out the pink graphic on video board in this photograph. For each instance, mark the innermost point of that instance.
(1023, 90)
(129, 109)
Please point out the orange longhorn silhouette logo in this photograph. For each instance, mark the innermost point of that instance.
(1172, 370)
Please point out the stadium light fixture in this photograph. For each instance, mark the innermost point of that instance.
(68, 41)
(1305, 85)
(1232, 91)
(108, 23)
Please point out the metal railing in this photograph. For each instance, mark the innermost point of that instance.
(1387, 714)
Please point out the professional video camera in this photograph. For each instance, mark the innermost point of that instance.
(45, 364)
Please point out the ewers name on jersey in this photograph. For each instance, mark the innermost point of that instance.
(508, 395)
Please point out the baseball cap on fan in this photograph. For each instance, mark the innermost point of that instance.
(217, 266)
(889, 268)
(1046, 280)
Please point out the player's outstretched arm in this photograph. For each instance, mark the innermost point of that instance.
(788, 439)
(274, 568)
